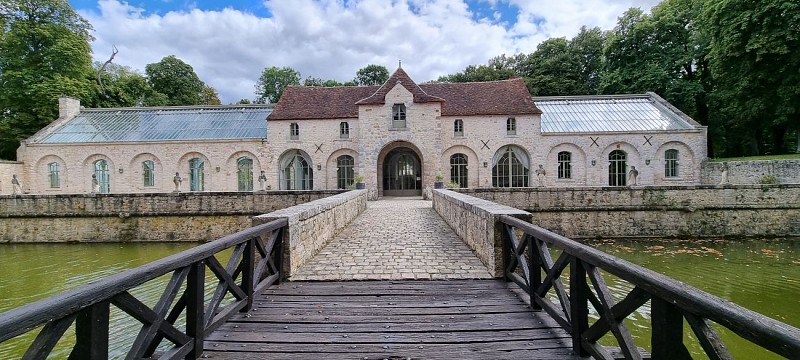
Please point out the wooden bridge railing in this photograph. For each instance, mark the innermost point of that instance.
(529, 264)
(255, 263)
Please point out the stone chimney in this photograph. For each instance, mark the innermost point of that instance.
(68, 107)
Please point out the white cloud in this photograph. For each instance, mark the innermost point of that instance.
(332, 39)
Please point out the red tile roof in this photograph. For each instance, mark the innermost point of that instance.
(506, 97)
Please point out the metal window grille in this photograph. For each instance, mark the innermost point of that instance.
(616, 168)
(671, 163)
(565, 165)
(55, 180)
(344, 171)
(458, 170)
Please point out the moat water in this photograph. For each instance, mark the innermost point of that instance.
(763, 276)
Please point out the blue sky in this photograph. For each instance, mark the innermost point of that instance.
(230, 42)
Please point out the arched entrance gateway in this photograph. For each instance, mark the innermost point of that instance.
(400, 172)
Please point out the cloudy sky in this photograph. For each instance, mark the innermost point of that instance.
(230, 42)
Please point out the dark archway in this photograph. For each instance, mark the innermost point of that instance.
(401, 172)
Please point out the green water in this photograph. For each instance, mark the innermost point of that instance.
(762, 276)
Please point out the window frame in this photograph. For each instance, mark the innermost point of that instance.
(294, 131)
(345, 171)
(399, 116)
(244, 178)
(459, 169)
(564, 165)
(344, 130)
(509, 171)
(511, 126)
(617, 168)
(197, 174)
(54, 174)
(458, 128)
(103, 176)
(671, 163)
(148, 173)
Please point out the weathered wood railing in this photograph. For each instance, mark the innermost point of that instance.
(255, 262)
(529, 264)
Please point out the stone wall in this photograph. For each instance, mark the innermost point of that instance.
(475, 221)
(138, 217)
(312, 225)
(659, 212)
(7, 170)
(752, 172)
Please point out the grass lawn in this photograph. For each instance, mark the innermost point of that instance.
(763, 157)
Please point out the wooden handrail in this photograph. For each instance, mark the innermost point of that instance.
(114, 288)
(766, 332)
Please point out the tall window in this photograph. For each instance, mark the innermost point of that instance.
(565, 165)
(671, 164)
(294, 131)
(102, 175)
(511, 126)
(149, 173)
(458, 170)
(344, 171)
(296, 172)
(458, 127)
(196, 175)
(511, 168)
(344, 130)
(616, 168)
(398, 116)
(244, 173)
(55, 180)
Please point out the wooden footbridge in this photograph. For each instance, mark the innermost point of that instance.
(244, 309)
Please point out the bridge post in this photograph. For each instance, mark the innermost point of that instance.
(535, 271)
(579, 305)
(248, 270)
(667, 331)
(195, 317)
(91, 332)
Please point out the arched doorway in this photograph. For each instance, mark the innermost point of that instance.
(402, 173)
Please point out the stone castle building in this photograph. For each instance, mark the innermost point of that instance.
(399, 136)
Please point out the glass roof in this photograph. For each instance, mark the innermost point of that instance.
(603, 114)
(158, 124)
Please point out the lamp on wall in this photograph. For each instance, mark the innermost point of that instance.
(647, 162)
(217, 169)
(594, 162)
(120, 170)
(319, 167)
(485, 164)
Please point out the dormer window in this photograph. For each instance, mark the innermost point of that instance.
(398, 116)
(294, 131)
(511, 126)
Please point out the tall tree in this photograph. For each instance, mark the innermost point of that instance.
(44, 53)
(175, 79)
(273, 82)
(122, 87)
(555, 70)
(371, 75)
(209, 96)
(755, 63)
(587, 46)
(498, 68)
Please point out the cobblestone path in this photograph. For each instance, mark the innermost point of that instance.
(398, 238)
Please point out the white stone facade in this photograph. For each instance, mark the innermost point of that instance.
(429, 133)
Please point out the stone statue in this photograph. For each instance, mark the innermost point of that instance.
(95, 184)
(724, 177)
(633, 176)
(16, 188)
(540, 174)
(177, 181)
(262, 181)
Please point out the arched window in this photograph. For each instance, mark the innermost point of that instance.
(149, 173)
(398, 116)
(565, 165)
(671, 163)
(616, 168)
(458, 127)
(344, 130)
(196, 174)
(294, 131)
(510, 168)
(103, 176)
(458, 170)
(344, 172)
(296, 172)
(53, 174)
(244, 173)
(511, 126)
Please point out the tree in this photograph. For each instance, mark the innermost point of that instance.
(44, 54)
(498, 68)
(122, 87)
(175, 79)
(371, 75)
(555, 70)
(312, 81)
(755, 62)
(273, 82)
(209, 96)
(587, 46)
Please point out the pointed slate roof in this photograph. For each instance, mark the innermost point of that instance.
(399, 77)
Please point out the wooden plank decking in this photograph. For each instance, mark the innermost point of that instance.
(477, 319)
